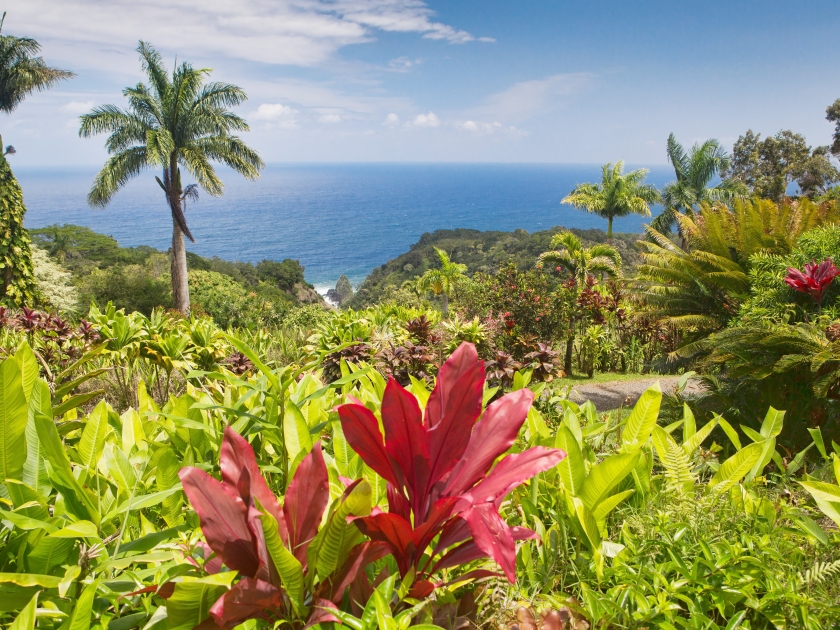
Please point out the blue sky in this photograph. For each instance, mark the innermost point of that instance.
(464, 80)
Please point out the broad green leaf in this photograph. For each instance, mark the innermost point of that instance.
(689, 424)
(13, 417)
(693, 443)
(588, 524)
(733, 469)
(34, 470)
(168, 466)
(296, 432)
(343, 453)
(29, 368)
(288, 567)
(642, 419)
(31, 579)
(731, 433)
(79, 529)
(60, 473)
(609, 504)
(92, 443)
(768, 448)
(606, 476)
(571, 421)
(49, 554)
(26, 523)
(330, 540)
(816, 435)
(773, 422)
(192, 599)
(810, 527)
(262, 367)
(139, 503)
(132, 430)
(751, 433)
(120, 468)
(571, 468)
(26, 619)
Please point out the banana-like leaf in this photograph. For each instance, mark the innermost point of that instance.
(689, 424)
(609, 504)
(14, 415)
(731, 433)
(327, 546)
(192, 599)
(34, 470)
(75, 401)
(767, 452)
(80, 617)
(296, 432)
(61, 474)
(827, 497)
(92, 443)
(736, 467)
(642, 419)
(571, 468)
(29, 368)
(692, 443)
(26, 618)
(606, 476)
(288, 567)
(588, 524)
(773, 422)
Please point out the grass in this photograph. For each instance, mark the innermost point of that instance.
(601, 377)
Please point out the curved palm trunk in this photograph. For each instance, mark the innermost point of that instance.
(180, 286)
(445, 304)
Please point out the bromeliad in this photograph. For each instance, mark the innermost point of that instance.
(815, 281)
(442, 484)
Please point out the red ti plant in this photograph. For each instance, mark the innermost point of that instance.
(815, 281)
(289, 570)
(441, 482)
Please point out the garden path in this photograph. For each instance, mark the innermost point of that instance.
(615, 394)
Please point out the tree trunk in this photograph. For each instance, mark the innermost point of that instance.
(445, 300)
(180, 286)
(609, 229)
(567, 364)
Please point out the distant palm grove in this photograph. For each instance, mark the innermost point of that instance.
(189, 442)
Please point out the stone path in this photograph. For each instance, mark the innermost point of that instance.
(608, 396)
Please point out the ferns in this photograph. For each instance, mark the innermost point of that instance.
(819, 573)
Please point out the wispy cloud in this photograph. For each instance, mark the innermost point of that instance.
(278, 115)
(391, 120)
(528, 98)
(427, 120)
(78, 107)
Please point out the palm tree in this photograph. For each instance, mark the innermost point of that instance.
(172, 123)
(442, 281)
(21, 72)
(579, 261)
(694, 171)
(618, 194)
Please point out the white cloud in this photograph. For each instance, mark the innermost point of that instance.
(402, 64)
(483, 128)
(329, 118)
(92, 33)
(391, 120)
(427, 120)
(527, 98)
(78, 107)
(278, 114)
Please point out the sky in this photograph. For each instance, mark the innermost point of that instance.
(440, 81)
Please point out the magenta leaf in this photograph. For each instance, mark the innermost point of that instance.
(361, 430)
(816, 279)
(493, 536)
(247, 599)
(512, 471)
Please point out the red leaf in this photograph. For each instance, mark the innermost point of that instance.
(493, 536)
(396, 532)
(421, 589)
(248, 599)
(306, 500)
(362, 432)
(494, 434)
(396, 502)
(512, 471)
(405, 438)
(164, 591)
(237, 455)
(454, 406)
(223, 518)
(360, 556)
(469, 551)
(321, 614)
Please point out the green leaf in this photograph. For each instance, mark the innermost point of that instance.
(75, 401)
(29, 368)
(92, 443)
(26, 619)
(571, 468)
(34, 470)
(816, 435)
(139, 503)
(192, 599)
(571, 421)
(79, 529)
(588, 524)
(642, 419)
(330, 540)
(60, 473)
(606, 506)
(31, 579)
(262, 367)
(731, 433)
(810, 527)
(773, 422)
(296, 432)
(692, 443)
(13, 418)
(288, 567)
(27, 523)
(689, 424)
(675, 461)
(167, 477)
(606, 476)
(767, 452)
(736, 467)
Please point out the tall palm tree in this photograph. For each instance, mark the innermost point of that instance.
(173, 122)
(22, 72)
(442, 281)
(694, 170)
(579, 261)
(618, 195)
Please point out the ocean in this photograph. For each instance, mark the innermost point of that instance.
(334, 218)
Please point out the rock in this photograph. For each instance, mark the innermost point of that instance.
(342, 292)
(307, 295)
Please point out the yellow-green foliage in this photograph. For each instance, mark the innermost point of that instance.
(18, 280)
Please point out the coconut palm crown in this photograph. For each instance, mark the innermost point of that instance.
(442, 281)
(570, 255)
(172, 122)
(694, 170)
(618, 195)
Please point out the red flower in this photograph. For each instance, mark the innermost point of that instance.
(444, 491)
(816, 279)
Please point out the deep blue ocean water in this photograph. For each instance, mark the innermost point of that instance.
(334, 218)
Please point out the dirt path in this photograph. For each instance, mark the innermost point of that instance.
(608, 396)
